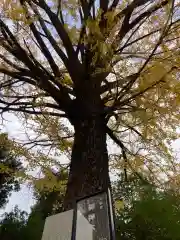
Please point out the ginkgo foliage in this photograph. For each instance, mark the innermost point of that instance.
(110, 67)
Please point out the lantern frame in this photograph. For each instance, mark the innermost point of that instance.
(110, 212)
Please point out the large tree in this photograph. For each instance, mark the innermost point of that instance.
(108, 66)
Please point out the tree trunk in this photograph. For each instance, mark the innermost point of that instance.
(89, 164)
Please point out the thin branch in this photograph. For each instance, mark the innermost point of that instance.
(36, 62)
(131, 35)
(133, 129)
(41, 43)
(148, 88)
(59, 11)
(126, 26)
(148, 12)
(113, 5)
(13, 65)
(35, 96)
(86, 7)
(80, 45)
(119, 83)
(50, 37)
(164, 31)
(17, 75)
(62, 100)
(14, 47)
(130, 84)
(36, 72)
(81, 15)
(142, 37)
(9, 83)
(45, 142)
(26, 105)
(104, 5)
(121, 145)
(74, 63)
(23, 110)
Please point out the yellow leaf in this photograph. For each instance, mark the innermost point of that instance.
(119, 205)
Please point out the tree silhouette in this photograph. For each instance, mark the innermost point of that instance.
(8, 169)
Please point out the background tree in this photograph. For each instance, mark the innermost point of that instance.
(49, 201)
(12, 225)
(148, 213)
(9, 166)
(109, 67)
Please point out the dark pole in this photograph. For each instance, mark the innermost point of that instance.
(111, 213)
(74, 223)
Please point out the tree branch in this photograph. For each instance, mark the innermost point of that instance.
(11, 64)
(59, 11)
(86, 7)
(28, 105)
(144, 36)
(126, 101)
(41, 43)
(62, 100)
(121, 145)
(104, 5)
(126, 26)
(118, 83)
(74, 63)
(21, 109)
(35, 72)
(50, 37)
(17, 75)
(113, 5)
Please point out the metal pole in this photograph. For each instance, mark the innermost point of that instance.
(74, 223)
(111, 215)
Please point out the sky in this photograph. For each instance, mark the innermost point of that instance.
(24, 199)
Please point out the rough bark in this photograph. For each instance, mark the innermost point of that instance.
(89, 163)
